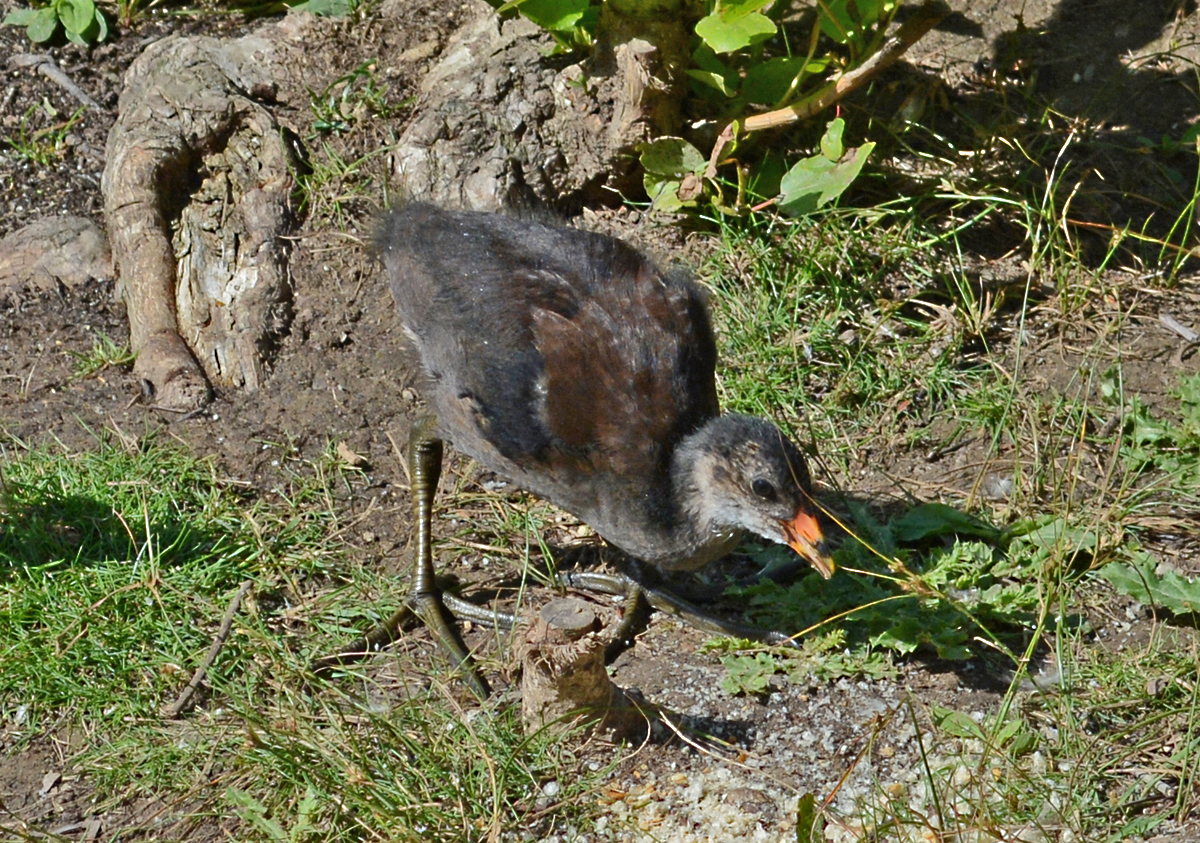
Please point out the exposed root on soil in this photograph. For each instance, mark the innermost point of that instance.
(197, 193)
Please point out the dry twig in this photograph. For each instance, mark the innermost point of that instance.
(173, 710)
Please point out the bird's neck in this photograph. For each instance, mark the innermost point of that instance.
(696, 536)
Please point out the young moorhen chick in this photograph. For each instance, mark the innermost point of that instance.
(568, 363)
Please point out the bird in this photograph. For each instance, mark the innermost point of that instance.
(570, 364)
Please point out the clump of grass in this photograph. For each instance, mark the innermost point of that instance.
(1094, 753)
(110, 562)
(105, 353)
(420, 768)
(809, 337)
(43, 146)
(116, 566)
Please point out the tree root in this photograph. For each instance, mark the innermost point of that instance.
(197, 197)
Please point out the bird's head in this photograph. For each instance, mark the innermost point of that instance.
(746, 475)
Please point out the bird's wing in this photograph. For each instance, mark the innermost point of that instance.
(570, 348)
(628, 373)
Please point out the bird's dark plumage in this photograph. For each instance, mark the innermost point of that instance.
(569, 363)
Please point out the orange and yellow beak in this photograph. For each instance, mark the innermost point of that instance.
(804, 536)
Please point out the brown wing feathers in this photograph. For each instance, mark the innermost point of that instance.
(563, 340)
(605, 374)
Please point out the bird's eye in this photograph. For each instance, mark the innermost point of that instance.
(763, 489)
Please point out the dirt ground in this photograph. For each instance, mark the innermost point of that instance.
(340, 377)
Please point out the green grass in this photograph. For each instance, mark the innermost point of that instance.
(116, 565)
(105, 353)
(1102, 755)
(810, 338)
(42, 146)
(813, 335)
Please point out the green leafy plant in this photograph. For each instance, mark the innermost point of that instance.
(1151, 443)
(741, 63)
(105, 353)
(937, 579)
(81, 21)
(258, 816)
(1015, 737)
(571, 22)
(820, 179)
(674, 173)
(1138, 577)
(820, 658)
(350, 97)
(42, 146)
(733, 70)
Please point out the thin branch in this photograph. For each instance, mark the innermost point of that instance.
(925, 19)
(45, 65)
(180, 704)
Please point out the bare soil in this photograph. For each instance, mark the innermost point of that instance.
(340, 377)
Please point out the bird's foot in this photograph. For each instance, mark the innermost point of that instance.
(635, 589)
(438, 611)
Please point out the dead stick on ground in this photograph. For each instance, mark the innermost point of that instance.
(1169, 322)
(45, 65)
(226, 624)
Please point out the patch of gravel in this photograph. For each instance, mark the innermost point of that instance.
(737, 765)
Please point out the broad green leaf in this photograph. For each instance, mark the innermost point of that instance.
(903, 637)
(101, 28)
(1017, 736)
(1024, 743)
(733, 9)
(712, 72)
(765, 178)
(1058, 535)
(956, 723)
(555, 15)
(937, 519)
(810, 828)
(746, 675)
(20, 17)
(939, 628)
(1007, 731)
(327, 8)
(712, 80)
(831, 141)
(663, 192)
(672, 173)
(1138, 579)
(729, 35)
(43, 26)
(814, 181)
(671, 156)
(1144, 429)
(768, 82)
(845, 20)
(76, 15)
(255, 813)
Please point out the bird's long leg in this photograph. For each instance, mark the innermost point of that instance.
(425, 598)
(438, 610)
(634, 588)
